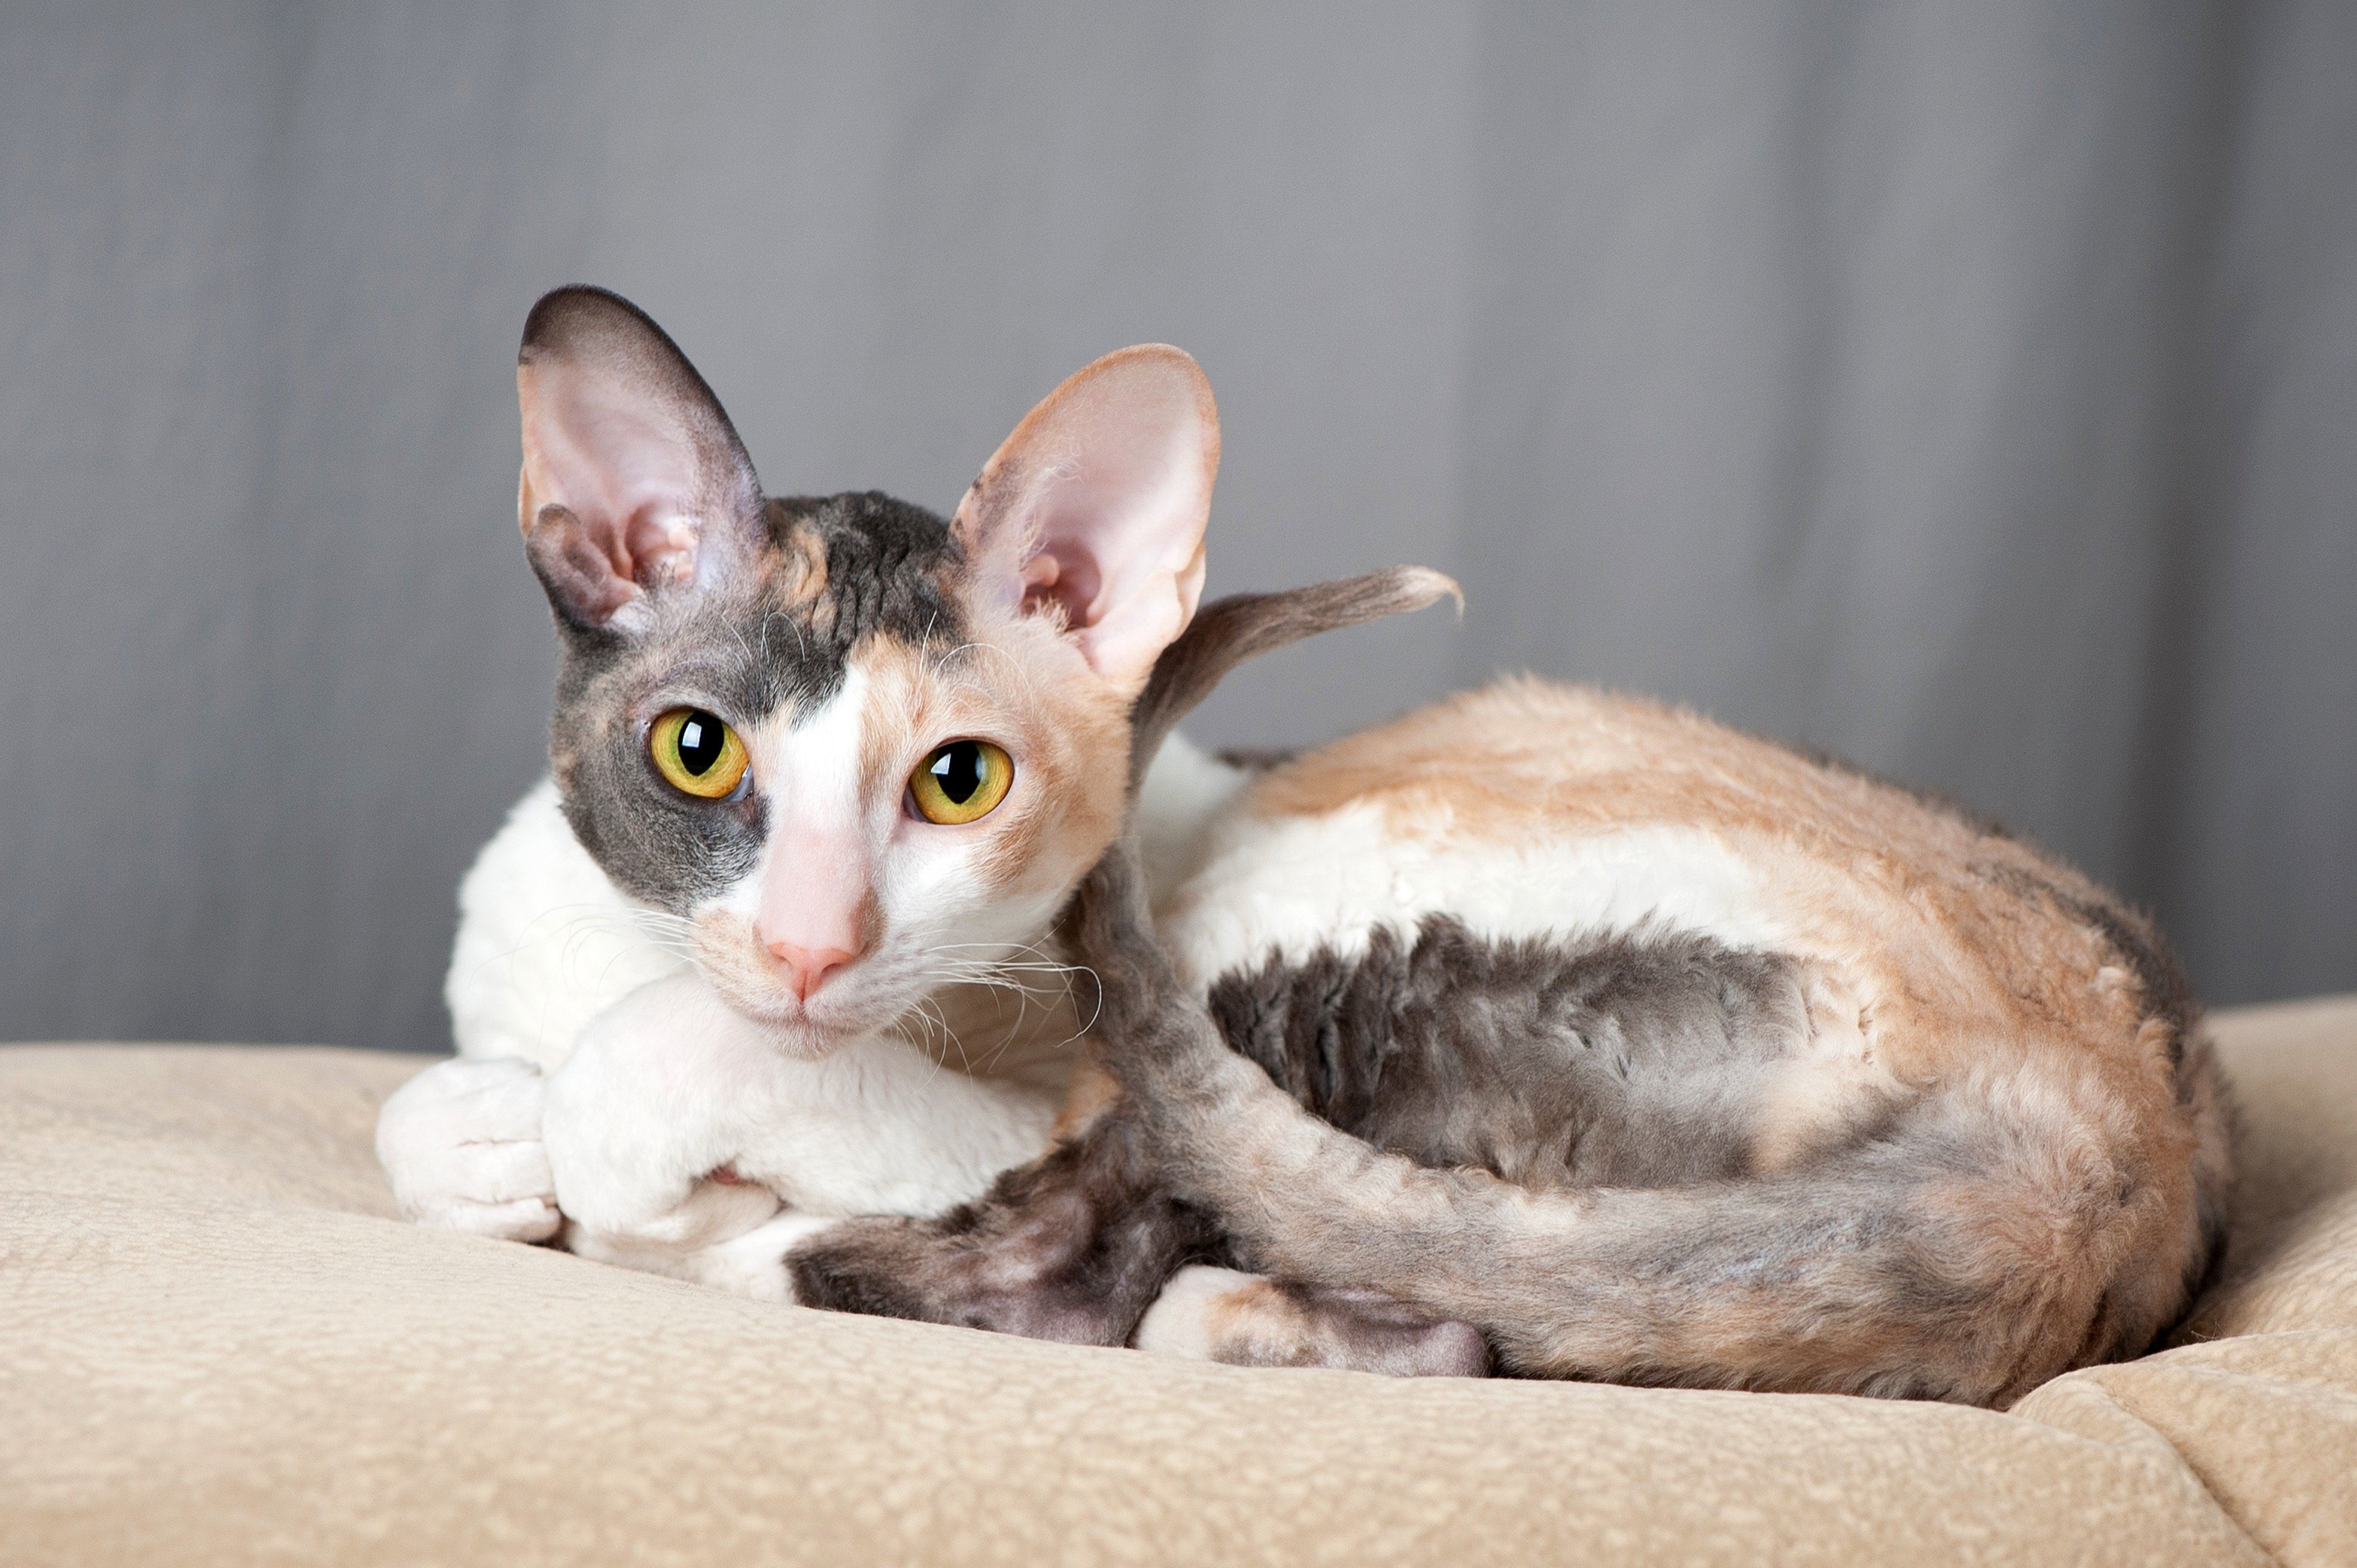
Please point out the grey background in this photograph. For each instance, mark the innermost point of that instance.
(1971, 389)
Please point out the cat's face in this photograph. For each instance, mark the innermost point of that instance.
(853, 751)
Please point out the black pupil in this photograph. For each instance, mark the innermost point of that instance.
(957, 769)
(699, 743)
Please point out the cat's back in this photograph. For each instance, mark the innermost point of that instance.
(1570, 936)
(1930, 943)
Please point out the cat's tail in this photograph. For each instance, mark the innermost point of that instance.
(1962, 1255)
(1226, 632)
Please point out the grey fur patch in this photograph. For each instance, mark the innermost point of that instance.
(1073, 1247)
(1256, 759)
(1624, 1060)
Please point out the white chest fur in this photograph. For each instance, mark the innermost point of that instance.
(546, 941)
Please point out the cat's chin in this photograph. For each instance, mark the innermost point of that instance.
(796, 1034)
(789, 1023)
(808, 1041)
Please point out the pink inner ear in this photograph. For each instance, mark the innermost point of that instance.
(1117, 533)
(1051, 580)
(628, 476)
(1113, 479)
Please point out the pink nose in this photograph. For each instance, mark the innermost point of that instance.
(808, 967)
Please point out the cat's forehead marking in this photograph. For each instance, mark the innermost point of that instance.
(806, 763)
(832, 576)
(842, 573)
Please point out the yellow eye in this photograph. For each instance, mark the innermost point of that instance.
(961, 782)
(695, 752)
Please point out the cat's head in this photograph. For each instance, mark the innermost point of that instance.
(855, 748)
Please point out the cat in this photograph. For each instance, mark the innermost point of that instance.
(1654, 1052)
(1543, 1025)
(722, 979)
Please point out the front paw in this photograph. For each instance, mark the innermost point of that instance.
(644, 1120)
(460, 1144)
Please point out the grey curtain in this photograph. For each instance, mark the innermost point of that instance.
(1970, 389)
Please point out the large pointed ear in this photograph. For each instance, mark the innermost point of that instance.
(1093, 510)
(634, 481)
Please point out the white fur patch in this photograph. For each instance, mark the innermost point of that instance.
(1179, 1322)
(545, 941)
(1180, 803)
(1285, 886)
(806, 768)
(460, 1144)
(672, 1085)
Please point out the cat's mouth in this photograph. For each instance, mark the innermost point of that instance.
(758, 987)
(815, 1028)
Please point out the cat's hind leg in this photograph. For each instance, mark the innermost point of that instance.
(1086, 1246)
(1209, 1313)
(1072, 1247)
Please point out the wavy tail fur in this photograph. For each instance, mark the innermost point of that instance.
(1228, 631)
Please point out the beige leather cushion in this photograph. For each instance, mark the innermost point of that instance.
(217, 1344)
